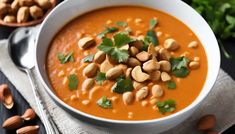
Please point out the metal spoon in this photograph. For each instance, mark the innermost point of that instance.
(21, 49)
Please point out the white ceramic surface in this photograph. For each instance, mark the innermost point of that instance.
(70, 9)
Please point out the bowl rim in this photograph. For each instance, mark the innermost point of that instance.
(135, 122)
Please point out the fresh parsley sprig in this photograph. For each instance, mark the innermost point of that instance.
(166, 106)
(73, 82)
(63, 58)
(113, 49)
(100, 78)
(123, 85)
(104, 102)
(106, 31)
(179, 66)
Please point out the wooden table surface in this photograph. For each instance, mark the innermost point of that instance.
(21, 105)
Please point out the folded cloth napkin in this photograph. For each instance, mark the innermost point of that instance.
(219, 102)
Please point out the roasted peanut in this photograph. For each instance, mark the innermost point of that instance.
(22, 14)
(15, 5)
(138, 85)
(113, 73)
(193, 44)
(157, 91)
(36, 12)
(171, 44)
(194, 64)
(143, 56)
(142, 93)
(105, 66)
(13, 122)
(99, 57)
(6, 96)
(138, 75)
(207, 122)
(128, 98)
(144, 103)
(85, 102)
(90, 70)
(9, 19)
(86, 42)
(26, 3)
(125, 47)
(155, 75)
(122, 66)
(165, 76)
(138, 44)
(87, 84)
(44, 4)
(164, 54)
(133, 51)
(133, 62)
(151, 65)
(29, 114)
(128, 72)
(165, 65)
(153, 101)
(28, 130)
(152, 51)
(111, 60)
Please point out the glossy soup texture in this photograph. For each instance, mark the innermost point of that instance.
(93, 23)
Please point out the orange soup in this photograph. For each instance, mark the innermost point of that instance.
(127, 63)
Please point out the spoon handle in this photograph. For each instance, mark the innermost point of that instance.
(42, 110)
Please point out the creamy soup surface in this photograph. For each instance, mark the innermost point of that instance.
(159, 91)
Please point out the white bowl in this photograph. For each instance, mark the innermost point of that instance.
(71, 9)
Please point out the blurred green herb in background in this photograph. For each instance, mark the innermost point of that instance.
(220, 15)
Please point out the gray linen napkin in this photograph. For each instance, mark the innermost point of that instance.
(219, 102)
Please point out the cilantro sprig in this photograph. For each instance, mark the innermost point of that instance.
(73, 82)
(104, 102)
(113, 49)
(179, 66)
(123, 85)
(122, 24)
(100, 78)
(171, 85)
(64, 58)
(106, 31)
(166, 106)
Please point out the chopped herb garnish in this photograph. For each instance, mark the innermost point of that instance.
(152, 24)
(114, 51)
(122, 23)
(100, 78)
(171, 85)
(73, 81)
(146, 44)
(88, 58)
(151, 34)
(65, 58)
(104, 102)
(166, 106)
(123, 85)
(106, 31)
(179, 66)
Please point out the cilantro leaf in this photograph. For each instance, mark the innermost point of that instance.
(179, 66)
(100, 77)
(88, 58)
(127, 31)
(114, 51)
(65, 58)
(104, 102)
(152, 24)
(122, 24)
(152, 37)
(73, 81)
(106, 46)
(121, 39)
(106, 31)
(171, 85)
(123, 85)
(166, 106)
